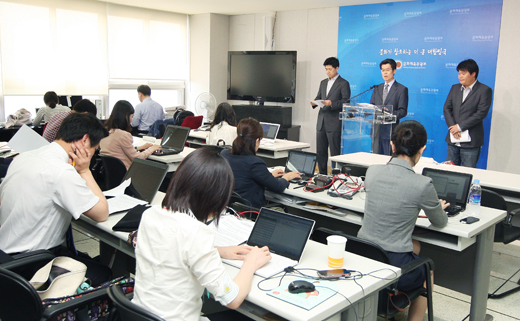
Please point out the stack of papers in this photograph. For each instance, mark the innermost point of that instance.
(119, 201)
(231, 231)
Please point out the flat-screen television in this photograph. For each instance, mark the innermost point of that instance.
(262, 76)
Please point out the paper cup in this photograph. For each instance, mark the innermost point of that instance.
(336, 245)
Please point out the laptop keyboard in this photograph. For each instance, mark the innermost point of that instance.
(453, 210)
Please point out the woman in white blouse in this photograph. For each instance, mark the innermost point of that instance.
(223, 130)
(175, 255)
(51, 107)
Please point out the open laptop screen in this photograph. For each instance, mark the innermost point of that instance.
(283, 233)
(175, 137)
(270, 130)
(450, 186)
(302, 162)
(147, 177)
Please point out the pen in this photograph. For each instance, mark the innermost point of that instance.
(299, 186)
(243, 242)
(73, 161)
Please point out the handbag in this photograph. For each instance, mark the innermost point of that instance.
(60, 277)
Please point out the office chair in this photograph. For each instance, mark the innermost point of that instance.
(505, 232)
(115, 171)
(127, 310)
(18, 298)
(192, 122)
(390, 302)
(25, 264)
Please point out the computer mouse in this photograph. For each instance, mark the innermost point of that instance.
(300, 286)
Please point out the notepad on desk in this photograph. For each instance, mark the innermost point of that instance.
(123, 203)
(231, 231)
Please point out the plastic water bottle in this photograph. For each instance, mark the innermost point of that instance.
(475, 193)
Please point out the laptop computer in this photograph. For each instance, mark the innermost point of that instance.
(173, 141)
(286, 236)
(146, 178)
(302, 162)
(452, 187)
(270, 133)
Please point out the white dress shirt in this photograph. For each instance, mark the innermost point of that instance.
(39, 196)
(176, 260)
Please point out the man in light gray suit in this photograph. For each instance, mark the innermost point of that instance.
(389, 93)
(334, 92)
(466, 107)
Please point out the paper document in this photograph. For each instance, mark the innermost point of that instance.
(318, 102)
(26, 139)
(464, 137)
(118, 190)
(231, 231)
(123, 203)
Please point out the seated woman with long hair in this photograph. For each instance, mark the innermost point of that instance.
(175, 256)
(223, 129)
(251, 174)
(119, 142)
(395, 195)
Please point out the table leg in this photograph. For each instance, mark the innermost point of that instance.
(482, 274)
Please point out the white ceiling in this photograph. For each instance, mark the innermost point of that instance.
(235, 7)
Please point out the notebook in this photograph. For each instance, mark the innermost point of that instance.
(270, 133)
(286, 236)
(145, 179)
(452, 187)
(302, 162)
(173, 141)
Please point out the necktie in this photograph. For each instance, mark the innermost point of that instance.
(385, 93)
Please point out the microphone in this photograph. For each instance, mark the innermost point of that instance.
(364, 92)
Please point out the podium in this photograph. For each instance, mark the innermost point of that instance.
(366, 128)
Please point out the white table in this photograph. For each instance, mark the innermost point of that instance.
(173, 161)
(258, 302)
(506, 184)
(279, 150)
(453, 248)
(315, 256)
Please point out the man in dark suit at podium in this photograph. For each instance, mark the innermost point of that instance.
(389, 93)
(334, 92)
(466, 107)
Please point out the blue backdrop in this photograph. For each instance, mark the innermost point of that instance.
(428, 39)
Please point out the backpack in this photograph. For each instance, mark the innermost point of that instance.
(179, 116)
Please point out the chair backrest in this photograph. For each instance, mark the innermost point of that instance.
(128, 311)
(493, 200)
(18, 298)
(180, 115)
(503, 233)
(192, 122)
(115, 171)
(354, 244)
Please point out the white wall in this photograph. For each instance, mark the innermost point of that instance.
(209, 43)
(504, 146)
(305, 32)
(314, 34)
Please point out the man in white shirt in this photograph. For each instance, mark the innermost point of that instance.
(45, 188)
(148, 111)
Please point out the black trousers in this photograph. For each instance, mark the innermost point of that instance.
(325, 139)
